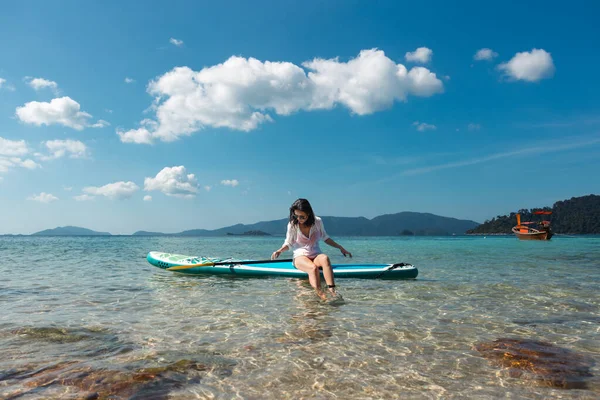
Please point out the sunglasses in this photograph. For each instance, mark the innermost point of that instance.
(301, 217)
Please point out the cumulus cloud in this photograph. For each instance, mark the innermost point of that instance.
(129, 80)
(142, 135)
(421, 55)
(147, 198)
(230, 182)
(61, 111)
(422, 126)
(530, 66)
(114, 191)
(41, 83)
(84, 197)
(10, 162)
(61, 148)
(43, 197)
(176, 42)
(241, 93)
(485, 54)
(13, 147)
(11, 152)
(100, 124)
(173, 181)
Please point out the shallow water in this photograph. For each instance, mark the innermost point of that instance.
(94, 304)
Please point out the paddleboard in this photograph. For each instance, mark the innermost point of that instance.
(237, 268)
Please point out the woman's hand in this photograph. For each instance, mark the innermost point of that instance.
(346, 252)
(275, 254)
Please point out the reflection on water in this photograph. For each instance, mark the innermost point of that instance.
(94, 319)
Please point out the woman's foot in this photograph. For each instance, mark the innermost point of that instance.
(321, 295)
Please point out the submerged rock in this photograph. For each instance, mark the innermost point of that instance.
(539, 361)
(96, 383)
(62, 335)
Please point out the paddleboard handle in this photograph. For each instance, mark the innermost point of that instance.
(392, 267)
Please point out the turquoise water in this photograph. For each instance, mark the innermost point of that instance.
(88, 316)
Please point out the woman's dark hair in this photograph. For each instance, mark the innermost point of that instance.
(302, 205)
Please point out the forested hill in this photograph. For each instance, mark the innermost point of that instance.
(579, 215)
(400, 224)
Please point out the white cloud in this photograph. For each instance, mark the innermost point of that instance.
(118, 190)
(147, 198)
(473, 127)
(29, 164)
(141, 135)
(10, 155)
(84, 197)
(13, 147)
(422, 126)
(176, 42)
(485, 54)
(41, 83)
(62, 111)
(230, 182)
(173, 181)
(100, 124)
(5, 85)
(239, 93)
(9, 162)
(207, 188)
(61, 148)
(129, 80)
(43, 197)
(529, 66)
(421, 55)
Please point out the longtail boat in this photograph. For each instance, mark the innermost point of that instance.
(526, 231)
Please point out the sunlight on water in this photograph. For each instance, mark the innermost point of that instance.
(88, 316)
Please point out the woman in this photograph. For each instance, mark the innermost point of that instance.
(304, 230)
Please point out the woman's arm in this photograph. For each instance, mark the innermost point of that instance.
(287, 244)
(332, 243)
(277, 253)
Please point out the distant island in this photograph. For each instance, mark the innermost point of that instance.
(70, 231)
(418, 224)
(578, 215)
(400, 224)
(249, 233)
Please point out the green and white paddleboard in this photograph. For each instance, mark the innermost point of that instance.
(285, 268)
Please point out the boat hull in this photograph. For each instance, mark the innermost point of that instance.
(285, 269)
(533, 234)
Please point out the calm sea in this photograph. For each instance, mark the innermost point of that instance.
(88, 317)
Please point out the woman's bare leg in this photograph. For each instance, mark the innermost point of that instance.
(304, 263)
(322, 260)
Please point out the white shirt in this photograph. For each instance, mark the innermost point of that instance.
(305, 246)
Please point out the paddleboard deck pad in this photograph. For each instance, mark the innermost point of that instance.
(237, 268)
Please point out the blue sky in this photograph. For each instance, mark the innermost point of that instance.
(180, 115)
